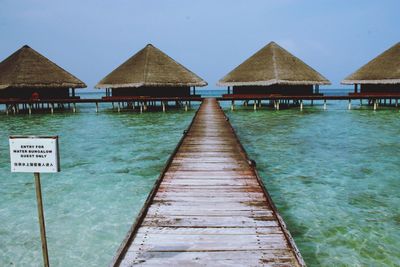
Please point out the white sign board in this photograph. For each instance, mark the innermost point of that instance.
(34, 154)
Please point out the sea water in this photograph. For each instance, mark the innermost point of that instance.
(334, 176)
(109, 163)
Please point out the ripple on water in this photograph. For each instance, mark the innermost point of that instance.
(334, 177)
(109, 163)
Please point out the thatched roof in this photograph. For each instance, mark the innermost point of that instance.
(26, 68)
(150, 67)
(384, 69)
(272, 65)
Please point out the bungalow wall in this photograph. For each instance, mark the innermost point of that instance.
(152, 91)
(274, 89)
(380, 88)
(26, 93)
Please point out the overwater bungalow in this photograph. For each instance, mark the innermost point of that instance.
(273, 71)
(151, 73)
(28, 75)
(380, 76)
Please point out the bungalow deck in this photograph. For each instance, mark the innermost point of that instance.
(209, 207)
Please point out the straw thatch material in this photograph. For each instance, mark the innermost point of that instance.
(26, 68)
(272, 65)
(153, 68)
(384, 69)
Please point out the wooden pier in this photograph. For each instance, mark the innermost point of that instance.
(209, 207)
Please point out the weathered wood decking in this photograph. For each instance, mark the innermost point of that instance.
(209, 207)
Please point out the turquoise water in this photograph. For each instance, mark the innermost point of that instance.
(334, 176)
(109, 162)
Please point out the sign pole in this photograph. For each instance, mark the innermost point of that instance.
(41, 219)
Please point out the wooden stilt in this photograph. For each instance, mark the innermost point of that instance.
(301, 105)
(277, 104)
(186, 106)
(349, 106)
(30, 109)
(255, 105)
(163, 106)
(52, 108)
(97, 107)
(119, 107)
(74, 107)
(396, 103)
(232, 105)
(375, 104)
(324, 104)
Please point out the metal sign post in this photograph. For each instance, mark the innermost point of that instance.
(36, 154)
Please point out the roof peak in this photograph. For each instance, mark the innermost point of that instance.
(26, 46)
(272, 64)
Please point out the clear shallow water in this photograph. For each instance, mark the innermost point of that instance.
(109, 162)
(334, 176)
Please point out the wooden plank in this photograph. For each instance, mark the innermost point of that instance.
(209, 207)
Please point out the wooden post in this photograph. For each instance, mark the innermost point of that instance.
(141, 107)
(324, 104)
(97, 107)
(233, 105)
(119, 106)
(301, 105)
(52, 108)
(375, 104)
(259, 103)
(255, 105)
(74, 107)
(41, 220)
(349, 106)
(163, 106)
(186, 106)
(30, 109)
(396, 103)
(277, 104)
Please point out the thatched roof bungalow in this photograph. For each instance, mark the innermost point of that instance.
(150, 72)
(379, 76)
(273, 70)
(26, 73)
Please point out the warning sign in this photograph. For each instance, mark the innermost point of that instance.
(34, 154)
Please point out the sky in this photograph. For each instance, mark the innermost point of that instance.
(90, 38)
